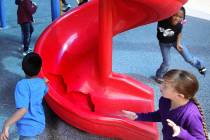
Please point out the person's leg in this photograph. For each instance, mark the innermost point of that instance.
(31, 31)
(22, 40)
(194, 61)
(66, 6)
(165, 51)
(28, 138)
(64, 2)
(22, 36)
(26, 35)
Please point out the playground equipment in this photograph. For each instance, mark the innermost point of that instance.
(2, 14)
(77, 59)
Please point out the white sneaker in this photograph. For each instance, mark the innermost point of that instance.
(66, 7)
(202, 71)
(24, 53)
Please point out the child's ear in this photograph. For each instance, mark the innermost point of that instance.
(181, 95)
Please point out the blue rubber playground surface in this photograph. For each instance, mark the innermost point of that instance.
(135, 53)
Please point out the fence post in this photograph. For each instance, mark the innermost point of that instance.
(2, 14)
(55, 9)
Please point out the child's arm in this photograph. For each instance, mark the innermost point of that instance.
(10, 121)
(194, 130)
(30, 7)
(150, 117)
(179, 44)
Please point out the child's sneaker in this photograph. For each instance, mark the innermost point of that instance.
(25, 53)
(66, 7)
(202, 71)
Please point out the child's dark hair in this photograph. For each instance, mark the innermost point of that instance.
(32, 64)
(187, 84)
(184, 11)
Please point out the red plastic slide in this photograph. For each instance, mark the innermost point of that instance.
(77, 59)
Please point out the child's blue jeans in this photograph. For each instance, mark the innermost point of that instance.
(27, 30)
(165, 51)
(28, 138)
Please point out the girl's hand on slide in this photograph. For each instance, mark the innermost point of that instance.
(129, 114)
(175, 127)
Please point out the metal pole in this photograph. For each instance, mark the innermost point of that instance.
(55, 9)
(2, 14)
(61, 4)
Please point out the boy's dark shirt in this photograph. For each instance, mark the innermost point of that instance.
(25, 11)
(167, 33)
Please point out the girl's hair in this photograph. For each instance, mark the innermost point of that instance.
(187, 84)
(203, 119)
(183, 82)
(184, 11)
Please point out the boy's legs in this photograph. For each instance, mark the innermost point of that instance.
(28, 138)
(64, 2)
(31, 31)
(194, 61)
(25, 27)
(22, 36)
(66, 6)
(165, 51)
(22, 46)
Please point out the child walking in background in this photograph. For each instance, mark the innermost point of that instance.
(180, 113)
(29, 93)
(169, 35)
(26, 8)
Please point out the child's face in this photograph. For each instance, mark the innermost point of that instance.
(177, 18)
(167, 90)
